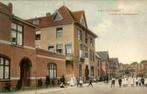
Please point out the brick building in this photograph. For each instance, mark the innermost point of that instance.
(71, 37)
(20, 61)
(99, 66)
(104, 55)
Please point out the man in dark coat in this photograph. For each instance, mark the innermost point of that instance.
(142, 81)
(90, 83)
(120, 82)
(113, 82)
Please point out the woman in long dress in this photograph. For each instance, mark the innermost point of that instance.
(71, 81)
(132, 81)
(125, 82)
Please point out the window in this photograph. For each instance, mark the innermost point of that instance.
(98, 65)
(59, 48)
(93, 56)
(52, 71)
(59, 32)
(92, 71)
(90, 55)
(80, 70)
(79, 34)
(4, 68)
(86, 52)
(82, 50)
(38, 36)
(17, 32)
(37, 39)
(68, 48)
(51, 48)
(36, 21)
(57, 16)
(91, 41)
(86, 37)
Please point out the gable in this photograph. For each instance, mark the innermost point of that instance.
(82, 21)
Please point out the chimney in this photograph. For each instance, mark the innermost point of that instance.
(48, 14)
(10, 7)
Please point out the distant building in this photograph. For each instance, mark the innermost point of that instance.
(99, 66)
(114, 67)
(104, 55)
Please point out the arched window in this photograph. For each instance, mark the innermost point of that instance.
(52, 70)
(4, 68)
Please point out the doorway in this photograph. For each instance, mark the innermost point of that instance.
(25, 68)
(86, 73)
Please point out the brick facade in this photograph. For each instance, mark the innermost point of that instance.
(27, 64)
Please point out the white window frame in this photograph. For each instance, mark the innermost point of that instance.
(4, 68)
(52, 70)
(18, 29)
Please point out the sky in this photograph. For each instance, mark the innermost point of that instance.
(121, 25)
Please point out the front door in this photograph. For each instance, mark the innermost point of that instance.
(25, 66)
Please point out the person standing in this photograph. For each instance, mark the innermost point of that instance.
(62, 80)
(125, 82)
(139, 81)
(78, 82)
(113, 82)
(136, 81)
(142, 81)
(90, 83)
(120, 82)
(72, 82)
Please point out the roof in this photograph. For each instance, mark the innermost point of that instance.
(48, 21)
(104, 55)
(97, 55)
(23, 21)
(114, 60)
(7, 10)
(68, 18)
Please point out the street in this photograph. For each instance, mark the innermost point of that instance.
(101, 89)
(98, 88)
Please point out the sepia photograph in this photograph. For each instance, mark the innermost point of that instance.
(73, 46)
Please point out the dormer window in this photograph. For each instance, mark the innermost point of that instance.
(57, 16)
(36, 21)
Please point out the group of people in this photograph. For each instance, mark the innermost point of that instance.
(126, 81)
(74, 82)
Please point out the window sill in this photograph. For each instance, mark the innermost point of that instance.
(15, 45)
(4, 80)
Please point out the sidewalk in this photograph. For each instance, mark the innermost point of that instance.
(46, 90)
